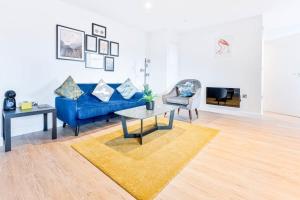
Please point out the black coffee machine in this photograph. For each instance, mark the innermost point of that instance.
(9, 103)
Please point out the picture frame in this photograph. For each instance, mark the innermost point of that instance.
(91, 43)
(94, 61)
(114, 48)
(103, 47)
(109, 63)
(69, 43)
(98, 30)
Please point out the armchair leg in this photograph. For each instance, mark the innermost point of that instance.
(196, 110)
(178, 111)
(77, 131)
(190, 115)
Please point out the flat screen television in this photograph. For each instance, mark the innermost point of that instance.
(230, 97)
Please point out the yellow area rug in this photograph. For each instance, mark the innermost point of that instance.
(144, 170)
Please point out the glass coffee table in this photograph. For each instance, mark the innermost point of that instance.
(141, 113)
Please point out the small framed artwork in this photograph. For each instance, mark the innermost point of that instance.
(91, 43)
(69, 43)
(114, 48)
(103, 47)
(109, 63)
(94, 60)
(98, 30)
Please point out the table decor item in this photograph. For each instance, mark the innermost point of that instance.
(148, 98)
(9, 103)
(26, 105)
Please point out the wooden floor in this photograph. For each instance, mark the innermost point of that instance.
(251, 158)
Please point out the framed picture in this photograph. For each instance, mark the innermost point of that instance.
(114, 48)
(223, 45)
(103, 47)
(91, 43)
(98, 30)
(69, 43)
(94, 60)
(109, 63)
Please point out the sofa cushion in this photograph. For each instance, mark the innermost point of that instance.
(69, 89)
(178, 100)
(117, 105)
(127, 89)
(103, 91)
(87, 110)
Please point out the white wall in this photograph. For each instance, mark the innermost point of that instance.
(241, 69)
(282, 19)
(27, 52)
(282, 75)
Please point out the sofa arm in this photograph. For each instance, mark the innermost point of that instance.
(66, 110)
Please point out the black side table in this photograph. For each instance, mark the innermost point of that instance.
(8, 115)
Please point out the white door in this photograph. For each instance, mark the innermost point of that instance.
(282, 75)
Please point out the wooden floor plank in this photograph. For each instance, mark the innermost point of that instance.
(251, 159)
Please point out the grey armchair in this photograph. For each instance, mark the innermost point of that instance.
(188, 103)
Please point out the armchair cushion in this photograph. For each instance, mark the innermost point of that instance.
(178, 100)
(186, 89)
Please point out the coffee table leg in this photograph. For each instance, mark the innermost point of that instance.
(124, 125)
(141, 132)
(171, 119)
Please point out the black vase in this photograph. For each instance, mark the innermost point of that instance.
(150, 105)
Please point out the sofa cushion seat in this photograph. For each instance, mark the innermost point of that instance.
(178, 100)
(91, 109)
(117, 105)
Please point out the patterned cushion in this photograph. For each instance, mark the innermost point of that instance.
(69, 89)
(103, 91)
(127, 89)
(186, 90)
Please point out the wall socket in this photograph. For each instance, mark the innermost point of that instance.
(244, 96)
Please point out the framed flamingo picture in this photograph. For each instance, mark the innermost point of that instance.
(223, 45)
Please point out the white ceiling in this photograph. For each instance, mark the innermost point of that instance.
(177, 15)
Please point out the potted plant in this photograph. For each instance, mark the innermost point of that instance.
(148, 98)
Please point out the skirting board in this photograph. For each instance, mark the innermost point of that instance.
(232, 112)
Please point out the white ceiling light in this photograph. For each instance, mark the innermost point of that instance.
(148, 5)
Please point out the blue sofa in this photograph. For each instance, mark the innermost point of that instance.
(88, 108)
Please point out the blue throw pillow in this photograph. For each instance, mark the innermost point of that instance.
(186, 90)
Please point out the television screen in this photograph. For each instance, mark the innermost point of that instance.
(223, 96)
